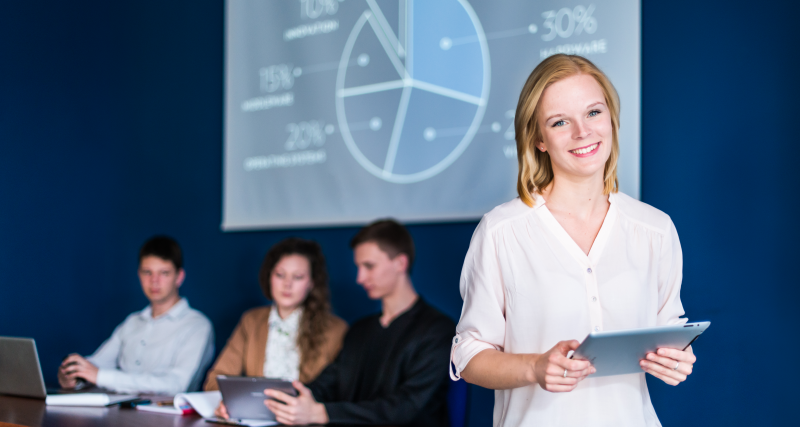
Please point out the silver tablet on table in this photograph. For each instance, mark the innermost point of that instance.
(244, 396)
(619, 352)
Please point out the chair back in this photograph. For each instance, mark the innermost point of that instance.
(457, 403)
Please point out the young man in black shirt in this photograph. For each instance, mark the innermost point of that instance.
(392, 369)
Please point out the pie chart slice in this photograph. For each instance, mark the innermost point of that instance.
(440, 24)
(430, 138)
(431, 101)
(369, 63)
(371, 119)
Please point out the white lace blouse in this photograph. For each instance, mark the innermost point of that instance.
(282, 355)
(527, 285)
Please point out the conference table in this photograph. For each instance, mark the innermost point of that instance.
(34, 413)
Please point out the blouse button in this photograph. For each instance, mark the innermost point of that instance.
(594, 299)
(596, 328)
(456, 340)
(589, 270)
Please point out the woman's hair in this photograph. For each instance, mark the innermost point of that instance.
(535, 167)
(317, 306)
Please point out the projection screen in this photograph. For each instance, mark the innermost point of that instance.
(338, 112)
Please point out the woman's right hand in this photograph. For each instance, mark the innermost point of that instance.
(549, 368)
(221, 411)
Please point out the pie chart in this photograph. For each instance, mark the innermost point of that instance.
(412, 87)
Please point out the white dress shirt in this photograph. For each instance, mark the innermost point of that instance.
(168, 354)
(282, 355)
(527, 285)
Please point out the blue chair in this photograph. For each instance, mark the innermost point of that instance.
(457, 403)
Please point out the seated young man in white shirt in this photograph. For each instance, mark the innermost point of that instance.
(165, 348)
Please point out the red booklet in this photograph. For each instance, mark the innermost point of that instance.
(165, 408)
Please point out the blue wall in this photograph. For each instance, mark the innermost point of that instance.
(111, 130)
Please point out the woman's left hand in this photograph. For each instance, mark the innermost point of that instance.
(670, 365)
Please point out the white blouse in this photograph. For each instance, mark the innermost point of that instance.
(282, 355)
(527, 285)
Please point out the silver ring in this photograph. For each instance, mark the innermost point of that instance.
(565, 373)
(676, 366)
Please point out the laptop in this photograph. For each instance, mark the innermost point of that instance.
(20, 371)
(21, 375)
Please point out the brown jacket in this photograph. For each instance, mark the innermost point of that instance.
(246, 349)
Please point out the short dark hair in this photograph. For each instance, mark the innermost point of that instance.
(164, 247)
(390, 236)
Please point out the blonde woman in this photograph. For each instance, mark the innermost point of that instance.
(571, 255)
(297, 336)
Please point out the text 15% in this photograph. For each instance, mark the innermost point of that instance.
(276, 77)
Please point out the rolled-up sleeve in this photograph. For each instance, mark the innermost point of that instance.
(482, 324)
(670, 308)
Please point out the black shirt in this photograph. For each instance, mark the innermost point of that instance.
(391, 376)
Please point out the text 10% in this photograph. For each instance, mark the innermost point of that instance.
(313, 9)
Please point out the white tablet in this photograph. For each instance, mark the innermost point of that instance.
(619, 352)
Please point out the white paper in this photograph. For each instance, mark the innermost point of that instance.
(204, 402)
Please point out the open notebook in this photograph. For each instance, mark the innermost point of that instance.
(205, 403)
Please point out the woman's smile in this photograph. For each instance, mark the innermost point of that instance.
(589, 150)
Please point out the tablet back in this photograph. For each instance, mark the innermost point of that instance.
(619, 352)
(244, 396)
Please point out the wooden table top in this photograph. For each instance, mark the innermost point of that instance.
(34, 413)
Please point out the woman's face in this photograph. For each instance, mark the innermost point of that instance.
(291, 282)
(576, 128)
